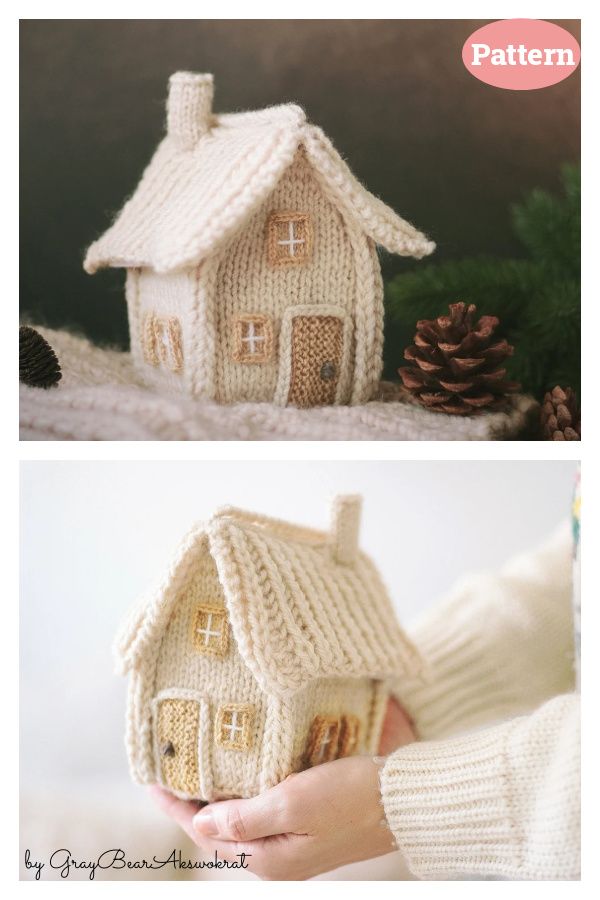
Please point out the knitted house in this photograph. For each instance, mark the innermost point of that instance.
(250, 250)
(267, 648)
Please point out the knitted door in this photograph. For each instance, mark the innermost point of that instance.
(181, 739)
(316, 348)
(178, 725)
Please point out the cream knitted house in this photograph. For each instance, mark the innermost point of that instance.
(267, 648)
(250, 250)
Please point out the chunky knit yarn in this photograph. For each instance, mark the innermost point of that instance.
(501, 801)
(247, 238)
(266, 649)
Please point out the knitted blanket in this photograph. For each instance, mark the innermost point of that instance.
(101, 398)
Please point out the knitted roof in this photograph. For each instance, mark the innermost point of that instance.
(196, 194)
(297, 614)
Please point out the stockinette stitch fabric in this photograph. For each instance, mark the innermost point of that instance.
(500, 801)
(247, 234)
(266, 649)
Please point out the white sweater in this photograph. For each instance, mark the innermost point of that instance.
(504, 800)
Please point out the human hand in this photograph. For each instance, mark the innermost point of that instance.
(313, 822)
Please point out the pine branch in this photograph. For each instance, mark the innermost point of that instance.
(537, 300)
(549, 226)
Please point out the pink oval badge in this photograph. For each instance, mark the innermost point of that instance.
(521, 54)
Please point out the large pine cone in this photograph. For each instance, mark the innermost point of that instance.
(38, 363)
(456, 365)
(559, 416)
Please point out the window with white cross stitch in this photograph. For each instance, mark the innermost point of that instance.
(289, 241)
(252, 338)
(210, 631)
(332, 737)
(323, 740)
(162, 342)
(233, 730)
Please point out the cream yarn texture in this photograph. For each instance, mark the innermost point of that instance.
(246, 236)
(267, 648)
(501, 800)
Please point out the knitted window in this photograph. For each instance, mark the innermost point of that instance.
(332, 737)
(289, 239)
(233, 728)
(349, 736)
(252, 339)
(210, 632)
(323, 739)
(161, 342)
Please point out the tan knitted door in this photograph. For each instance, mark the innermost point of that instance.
(317, 345)
(177, 739)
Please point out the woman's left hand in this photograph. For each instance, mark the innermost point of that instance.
(313, 822)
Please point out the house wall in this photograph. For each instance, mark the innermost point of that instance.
(335, 697)
(205, 300)
(132, 283)
(246, 283)
(165, 296)
(220, 681)
(280, 728)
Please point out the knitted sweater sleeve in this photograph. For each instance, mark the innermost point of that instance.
(501, 802)
(498, 646)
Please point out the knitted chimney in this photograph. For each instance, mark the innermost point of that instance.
(251, 258)
(267, 648)
(189, 108)
(345, 527)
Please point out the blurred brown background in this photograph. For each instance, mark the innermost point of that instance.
(445, 150)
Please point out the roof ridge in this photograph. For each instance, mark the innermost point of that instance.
(267, 115)
(138, 627)
(273, 572)
(281, 527)
(202, 185)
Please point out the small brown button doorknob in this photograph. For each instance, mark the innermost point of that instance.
(327, 372)
(167, 749)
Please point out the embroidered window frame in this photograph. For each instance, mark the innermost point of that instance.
(210, 630)
(289, 238)
(332, 737)
(233, 726)
(162, 342)
(322, 744)
(350, 734)
(250, 330)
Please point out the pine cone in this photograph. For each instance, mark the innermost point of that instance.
(559, 416)
(38, 363)
(456, 365)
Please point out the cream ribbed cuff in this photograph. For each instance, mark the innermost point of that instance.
(500, 802)
(447, 805)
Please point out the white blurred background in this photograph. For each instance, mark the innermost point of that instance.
(94, 535)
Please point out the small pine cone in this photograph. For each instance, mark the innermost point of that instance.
(456, 363)
(559, 416)
(38, 363)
